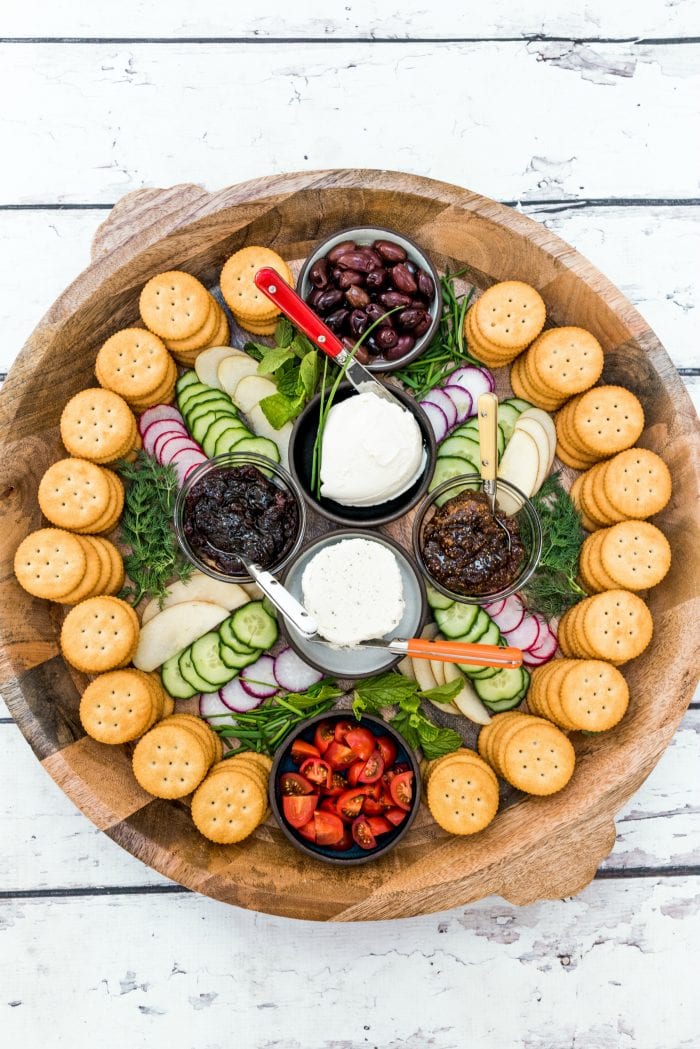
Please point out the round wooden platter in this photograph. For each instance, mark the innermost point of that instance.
(536, 848)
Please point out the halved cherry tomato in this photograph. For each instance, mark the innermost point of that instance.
(379, 825)
(308, 831)
(374, 790)
(374, 767)
(329, 828)
(361, 742)
(341, 730)
(395, 770)
(362, 833)
(317, 771)
(299, 809)
(395, 816)
(354, 772)
(301, 750)
(387, 749)
(291, 783)
(371, 807)
(401, 788)
(336, 786)
(349, 804)
(386, 800)
(323, 736)
(339, 756)
(345, 842)
(328, 805)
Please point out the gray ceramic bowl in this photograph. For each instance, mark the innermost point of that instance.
(356, 662)
(364, 235)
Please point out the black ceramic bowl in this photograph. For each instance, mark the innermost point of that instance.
(284, 763)
(364, 235)
(301, 447)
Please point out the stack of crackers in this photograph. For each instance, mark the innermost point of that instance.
(615, 626)
(81, 496)
(99, 425)
(503, 322)
(100, 634)
(579, 694)
(532, 754)
(120, 706)
(632, 555)
(178, 308)
(560, 363)
(172, 759)
(597, 424)
(251, 309)
(57, 565)
(461, 792)
(136, 364)
(233, 799)
(633, 485)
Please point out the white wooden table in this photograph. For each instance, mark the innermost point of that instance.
(589, 122)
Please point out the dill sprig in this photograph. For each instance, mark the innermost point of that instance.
(154, 557)
(553, 587)
(448, 350)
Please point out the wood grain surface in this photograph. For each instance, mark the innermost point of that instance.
(535, 849)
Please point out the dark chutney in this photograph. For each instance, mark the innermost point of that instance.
(239, 509)
(466, 551)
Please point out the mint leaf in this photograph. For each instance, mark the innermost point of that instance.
(386, 690)
(284, 332)
(279, 409)
(444, 693)
(438, 741)
(275, 357)
(256, 350)
(308, 374)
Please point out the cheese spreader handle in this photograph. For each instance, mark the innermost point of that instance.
(299, 313)
(459, 652)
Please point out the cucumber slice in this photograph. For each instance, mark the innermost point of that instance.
(468, 429)
(191, 394)
(188, 378)
(478, 672)
(457, 620)
(436, 599)
(508, 416)
(461, 447)
(199, 426)
(492, 635)
(448, 468)
(481, 625)
(253, 626)
(237, 660)
(259, 446)
(211, 404)
(519, 403)
(269, 607)
(229, 639)
(505, 685)
(198, 399)
(228, 440)
(500, 441)
(223, 424)
(207, 662)
(187, 670)
(173, 681)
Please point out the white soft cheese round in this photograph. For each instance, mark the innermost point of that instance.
(354, 591)
(371, 451)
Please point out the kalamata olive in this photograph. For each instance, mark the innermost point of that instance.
(392, 299)
(386, 338)
(426, 285)
(328, 299)
(372, 345)
(318, 274)
(346, 278)
(335, 273)
(340, 249)
(411, 266)
(403, 279)
(409, 318)
(358, 322)
(337, 319)
(376, 278)
(375, 313)
(422, 326)
(361, 354)
(389, 251)
(404, 345)
(418, 303)
(348, 343)
(357, 297)
(376, 259)
(313, 297)
(356, 260)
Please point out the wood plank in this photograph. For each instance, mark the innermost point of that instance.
(518, 142)
(649, 252)
(355, 18)
(48, 844)
(611, 969)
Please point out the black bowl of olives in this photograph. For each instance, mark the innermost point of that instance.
(366, 274)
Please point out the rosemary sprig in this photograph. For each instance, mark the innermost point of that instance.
(154, 557)
(553, 587)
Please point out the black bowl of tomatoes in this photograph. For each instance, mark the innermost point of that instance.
(343, 790)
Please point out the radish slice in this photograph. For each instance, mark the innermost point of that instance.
(437, 418)
(511, 615)
(259, 678)
(546, 646)
(442, 400)
(166, 438)
(495, 609)
(293, 674)
(235, 697)
(489, 378)
(185, 461)
(158, 413)
(171, 448)
(155, 430)
(473, 380)
(525, 635)
(461, 399)
(211, 707)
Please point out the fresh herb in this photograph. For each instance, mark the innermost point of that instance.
(263, 730)
(553, 587)
(146, 528)
(293, 364)
(393, 689)
(448, 350)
